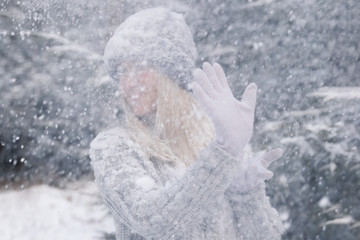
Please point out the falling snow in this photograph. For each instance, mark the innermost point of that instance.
(55, 97)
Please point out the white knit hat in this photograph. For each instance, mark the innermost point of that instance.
(158, 37)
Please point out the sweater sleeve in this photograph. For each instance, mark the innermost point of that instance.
(158, 211)
(254, 216)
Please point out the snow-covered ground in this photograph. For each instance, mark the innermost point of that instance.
(43, 212)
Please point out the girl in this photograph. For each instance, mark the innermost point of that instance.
(172, 170)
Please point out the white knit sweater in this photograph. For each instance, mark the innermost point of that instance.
(153, 199)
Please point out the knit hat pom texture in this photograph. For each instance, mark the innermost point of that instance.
(155, 37)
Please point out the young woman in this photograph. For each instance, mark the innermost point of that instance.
(176, 169)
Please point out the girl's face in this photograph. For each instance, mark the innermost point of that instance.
(139, 86)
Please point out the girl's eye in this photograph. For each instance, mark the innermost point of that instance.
(122, 70)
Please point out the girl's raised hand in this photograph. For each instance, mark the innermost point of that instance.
(233, 119)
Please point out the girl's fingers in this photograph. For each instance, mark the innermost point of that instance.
(221, 75)
(249, 96)
(212, 76)
(266, 174)
(271, 156)
(203, 81)
(261, 172)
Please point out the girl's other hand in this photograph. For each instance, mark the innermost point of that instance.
(253, 171)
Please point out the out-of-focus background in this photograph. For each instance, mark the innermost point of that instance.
(55, 97)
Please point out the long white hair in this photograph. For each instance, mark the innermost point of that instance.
(181, 131)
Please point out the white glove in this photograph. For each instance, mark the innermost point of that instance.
(254, 171)
(233, 119)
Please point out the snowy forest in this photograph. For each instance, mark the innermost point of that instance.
(55, 97)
